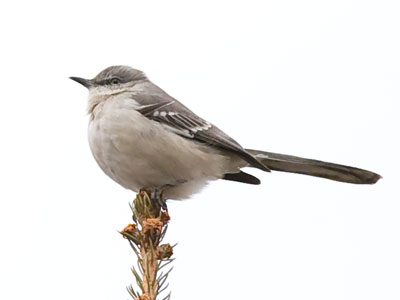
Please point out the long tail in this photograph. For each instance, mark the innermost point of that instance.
(293, 164)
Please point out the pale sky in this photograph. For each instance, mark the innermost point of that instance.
(318, 79)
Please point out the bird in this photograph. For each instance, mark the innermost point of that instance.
(144, 139)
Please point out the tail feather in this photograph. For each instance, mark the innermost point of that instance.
(293, 164)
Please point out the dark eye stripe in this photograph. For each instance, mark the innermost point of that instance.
(108, 81)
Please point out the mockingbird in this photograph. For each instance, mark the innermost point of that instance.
(144, 139)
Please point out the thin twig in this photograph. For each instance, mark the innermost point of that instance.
(145, 237)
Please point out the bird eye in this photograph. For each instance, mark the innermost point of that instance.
(115, 81)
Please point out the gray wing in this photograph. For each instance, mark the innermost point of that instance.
(179, 119)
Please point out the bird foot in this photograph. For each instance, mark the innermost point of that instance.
(156, 196)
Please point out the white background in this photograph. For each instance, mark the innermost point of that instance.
(318, 79)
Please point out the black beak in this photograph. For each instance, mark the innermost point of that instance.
(85, 82)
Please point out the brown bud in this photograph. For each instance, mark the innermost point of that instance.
(133, 232)
(144, 192)
(164, 217)
(143, 297)
(164, 251)
(131, 228)
(152, 224)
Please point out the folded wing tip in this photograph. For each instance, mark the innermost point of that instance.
(242, 177)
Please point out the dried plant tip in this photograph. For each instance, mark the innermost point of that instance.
(131, 232)
(130, 229)
(152, 224)
(164, 251)
(164, 217)
(144, 236)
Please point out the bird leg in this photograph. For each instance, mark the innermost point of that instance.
(156, 195)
